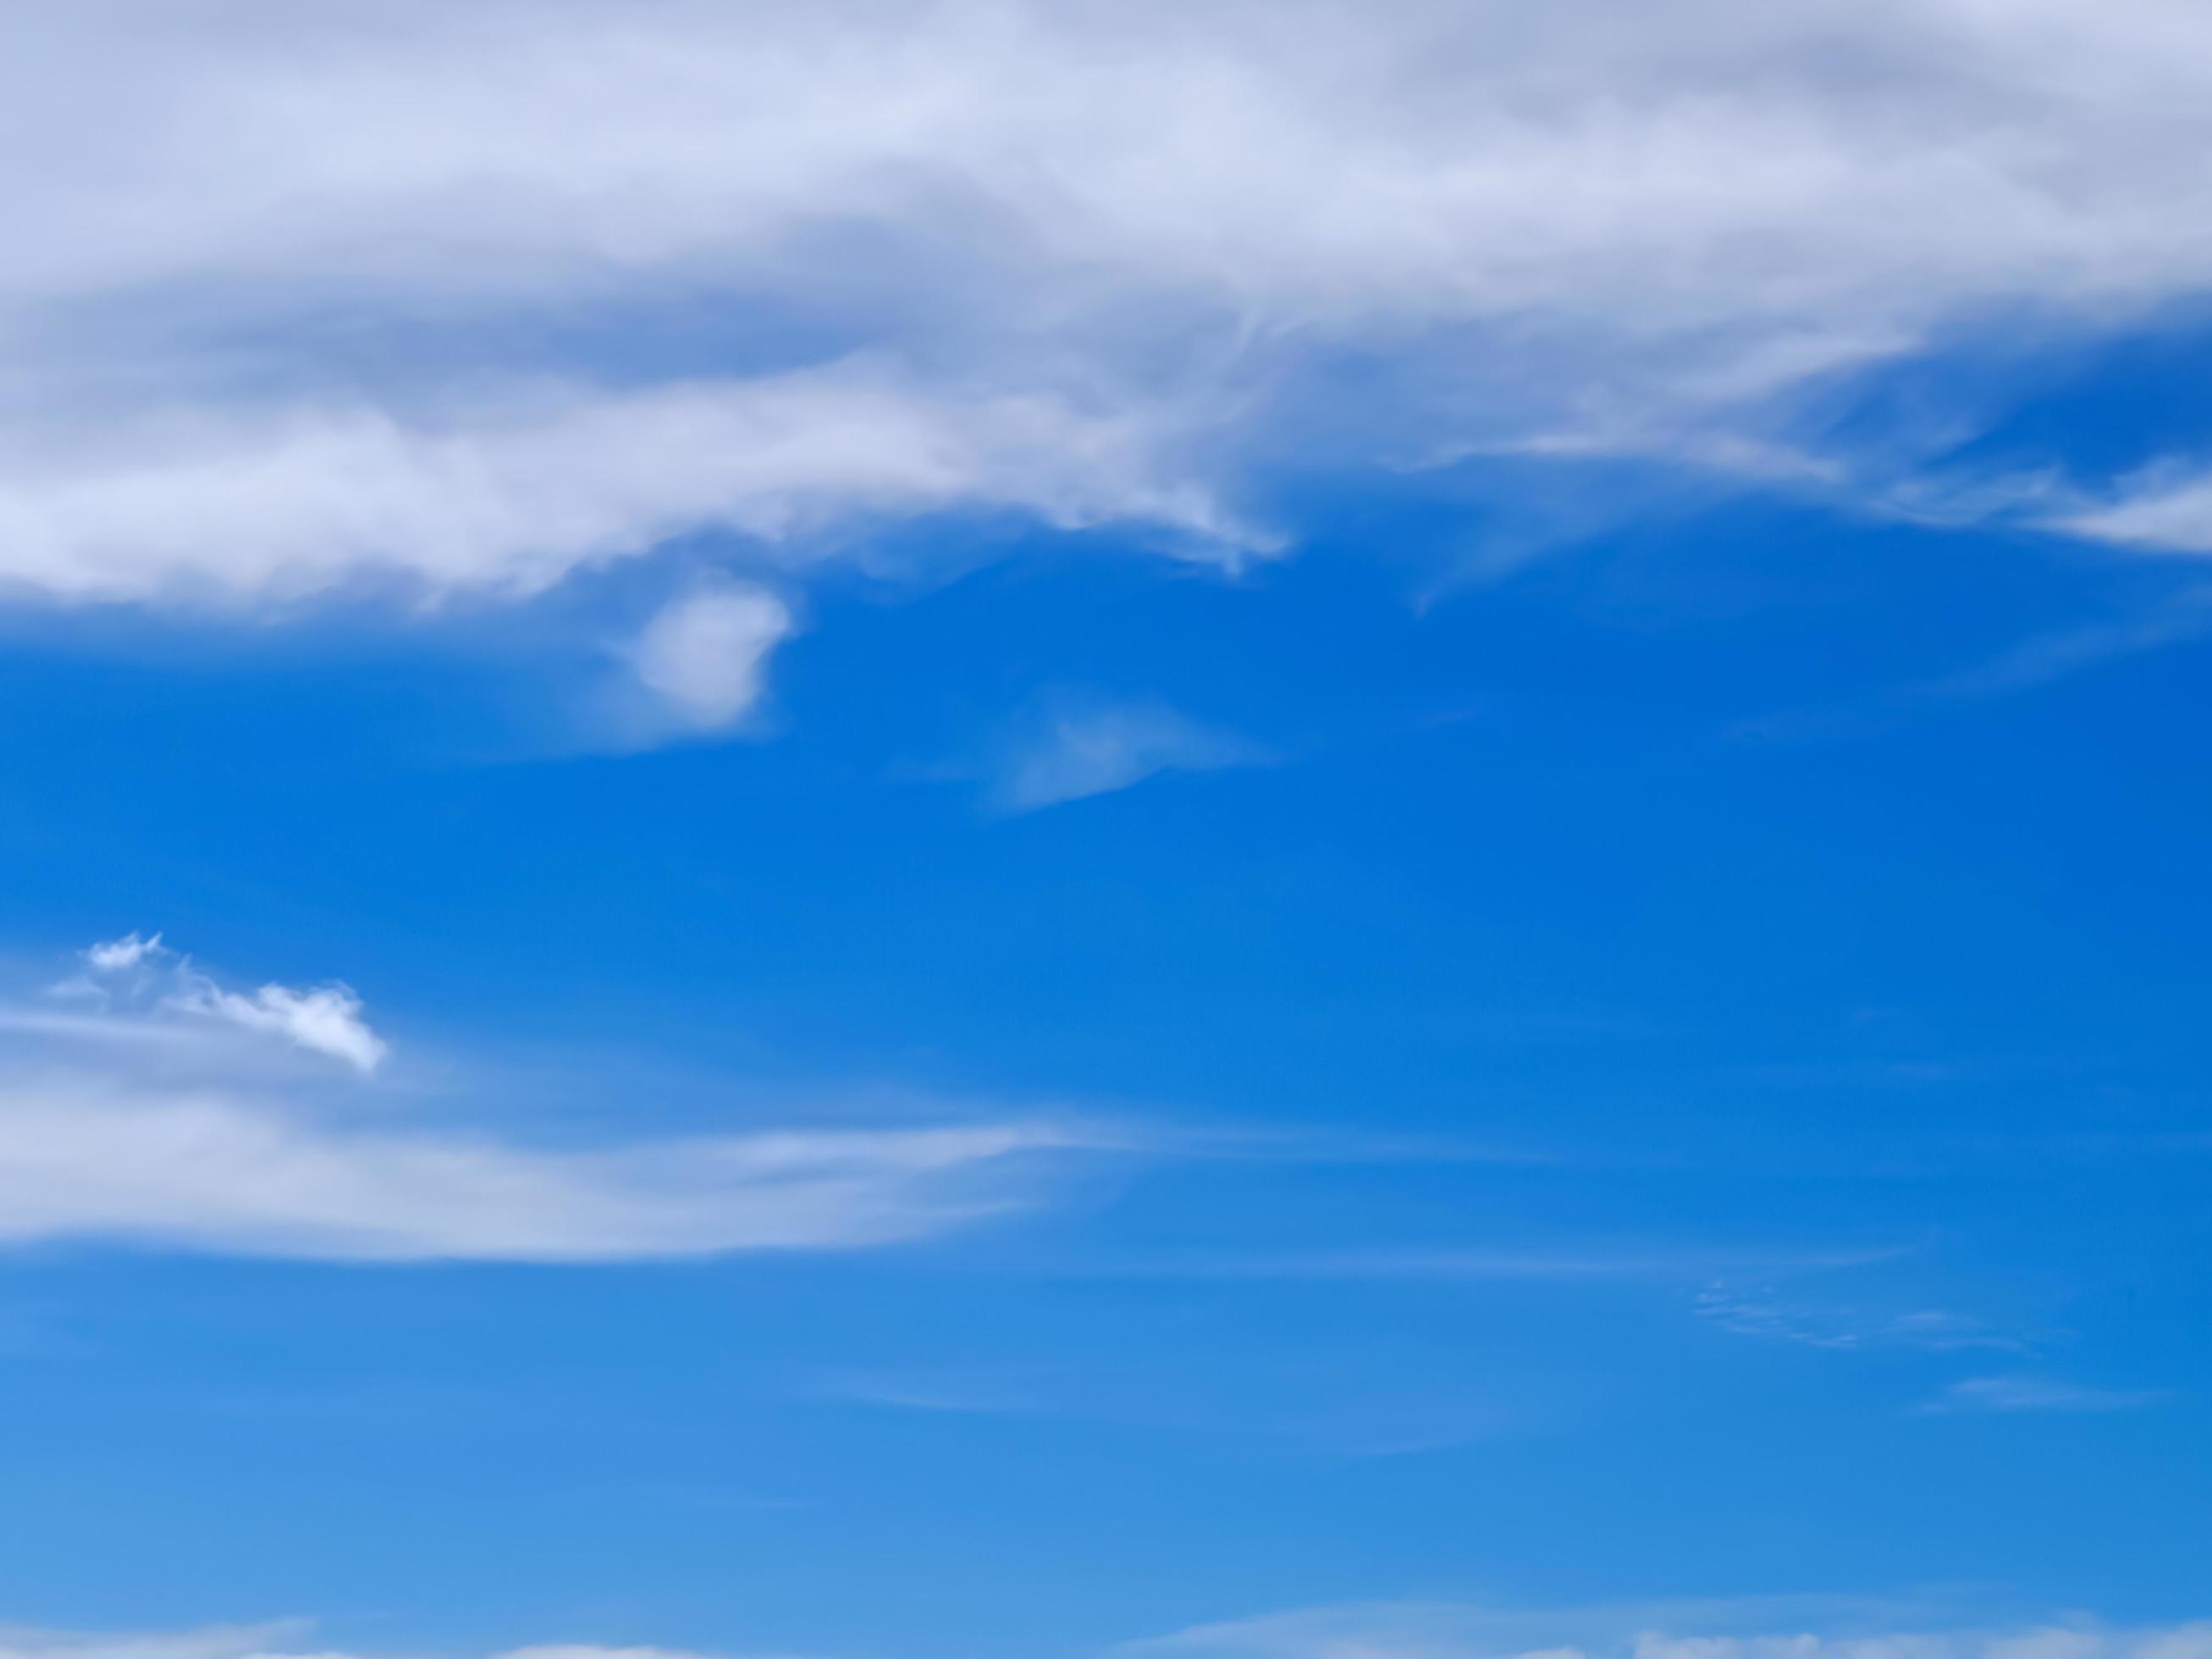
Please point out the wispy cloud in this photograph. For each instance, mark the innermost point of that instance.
(2167, 508)
(140, 1114)
(507, 498)
(285, 1639)
(1761, 1310)
(959, 1394)
(144, 976)
(250, 1177)
(120, 955)
(2011, 1395)
(1571, 234)
(1773, 1627)
(2053, 656)
(1079, 749)
(1593, 1262)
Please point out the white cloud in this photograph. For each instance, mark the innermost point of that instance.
(215, 1641)
(2009, 1395)
(325, 1019)
(1458, 1630)
(1078, 751)
(2042, 658)
(2163, 511)
(153, 1119)
(1763, 1311)
(211, 1171)
(1379, 1631)
(510, 494)
(703, 654)
(117, 956)
(287, 1639)
(299, 300)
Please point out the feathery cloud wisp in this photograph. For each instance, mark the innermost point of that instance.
(2010, 1394)
(144, 1115)
(327, 1019)
(284, 1639)
(1746, 1629)
(252, 1178)
(1096, 749)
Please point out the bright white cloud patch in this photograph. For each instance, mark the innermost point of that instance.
(325, 1019)
(703, 655)
(1080, 263)
(1093, 750)
(118, 955)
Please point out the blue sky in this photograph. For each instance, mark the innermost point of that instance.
(1005, 832)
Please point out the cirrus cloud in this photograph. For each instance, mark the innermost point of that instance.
(143, 1113)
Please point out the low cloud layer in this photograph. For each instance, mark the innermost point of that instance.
(290, 1639)
(1457, 1630)
(1376, 1630)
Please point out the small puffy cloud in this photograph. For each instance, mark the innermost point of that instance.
(117, 956)
(263, 1641)
(703, 655)
(1095, 750)
(325, 1019)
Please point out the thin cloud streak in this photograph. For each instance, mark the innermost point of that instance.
(1773, 1627)
(145, 1112)
(214, 1175)
(2013, 1395)
(1081, 750)
(279, 1639)
(1473, 1265)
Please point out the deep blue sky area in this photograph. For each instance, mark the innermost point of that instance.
(1647, 1030)
(973, 829)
